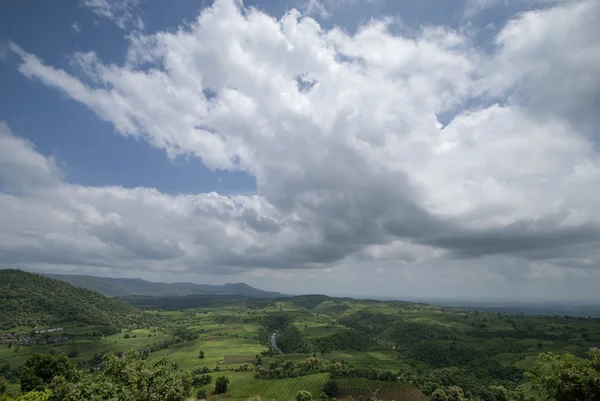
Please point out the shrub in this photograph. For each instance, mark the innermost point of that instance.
(221, 385)
(304, 396)
(331, 388)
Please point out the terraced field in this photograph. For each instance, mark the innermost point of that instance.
(243, 385)
(385, 390)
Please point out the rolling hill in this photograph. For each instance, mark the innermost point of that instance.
(28, 299)
(121, 287)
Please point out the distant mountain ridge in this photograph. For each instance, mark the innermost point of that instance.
(119, 287)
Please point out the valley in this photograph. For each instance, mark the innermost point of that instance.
(390, 350)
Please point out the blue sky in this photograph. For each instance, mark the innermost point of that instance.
(442, 145)
(88, 149)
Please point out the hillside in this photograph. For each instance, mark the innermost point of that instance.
(119, 287)
(28, 299)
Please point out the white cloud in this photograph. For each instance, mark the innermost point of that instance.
(75, 26)
(321, 8)
(354, 169)
(121, 12)
(474, 7)
(21, 167)
(546, 60)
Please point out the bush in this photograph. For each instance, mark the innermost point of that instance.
(221, 385)
(73, 354)
(39, 370)
(45, 395)
(201, 380)
(201, 394)
(304, 396)
(331, 388)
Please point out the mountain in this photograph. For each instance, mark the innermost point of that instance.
(120, 287)
(28, 299)
(246, 290)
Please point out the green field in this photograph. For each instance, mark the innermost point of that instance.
(243, 385)
(382, 390)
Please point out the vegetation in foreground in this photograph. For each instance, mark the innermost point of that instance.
(332, 347)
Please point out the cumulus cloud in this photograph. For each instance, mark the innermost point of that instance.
(341, 131)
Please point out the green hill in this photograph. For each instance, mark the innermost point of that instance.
(120, 287)
(28, 299)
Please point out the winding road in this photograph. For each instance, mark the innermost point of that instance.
(274, 343)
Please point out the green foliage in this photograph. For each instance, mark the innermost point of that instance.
(39, 370)
(304, 396)
(439, 395)
(45, 395)
(567, 378)
(201, 394)
(127, 379)
(202, 380)
(221, 385)
(201, 355)
(290, 340)
(30, 299)
(455, 394)
(347, 340)
(279, 369)
(331, 388)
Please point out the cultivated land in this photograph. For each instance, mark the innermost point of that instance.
(423, 347)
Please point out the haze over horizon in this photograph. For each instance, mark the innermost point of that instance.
(408, 149)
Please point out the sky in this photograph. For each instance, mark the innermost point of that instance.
(405, 149)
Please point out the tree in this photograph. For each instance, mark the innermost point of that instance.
(201, 394)
(201, 380)
(39, 370)
(567, 378)
(304, 396)
(45, 395)
(331, 388)
(127, 379)
(201, 355)
(498, 393)
(439, 395)
(221, 385)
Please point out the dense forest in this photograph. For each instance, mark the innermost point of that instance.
(28, 299)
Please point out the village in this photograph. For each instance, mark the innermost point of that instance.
(34, 338)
